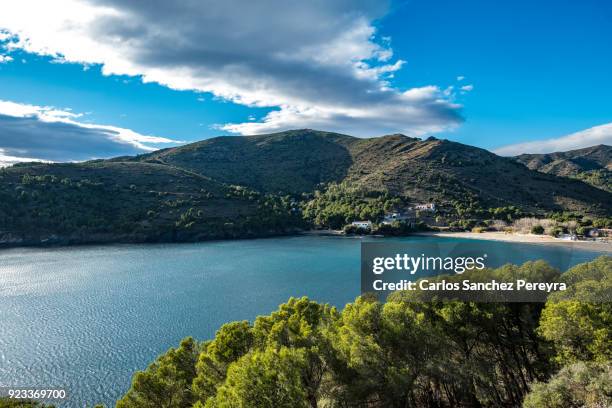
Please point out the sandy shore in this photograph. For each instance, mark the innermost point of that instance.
(598, 246)
(525, 238)
(327, 232)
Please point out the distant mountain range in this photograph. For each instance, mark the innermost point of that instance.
(592, 164)
(425, 170)
(229, 186)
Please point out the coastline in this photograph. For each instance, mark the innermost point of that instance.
(322, 232)
(598, 246)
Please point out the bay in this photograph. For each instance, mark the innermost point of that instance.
(86, 318)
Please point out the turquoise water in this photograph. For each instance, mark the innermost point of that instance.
(85, 318)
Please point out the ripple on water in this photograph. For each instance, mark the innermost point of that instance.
(86, 318)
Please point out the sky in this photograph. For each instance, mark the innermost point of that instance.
(84, 79)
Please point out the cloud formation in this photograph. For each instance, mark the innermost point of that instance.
(590, 137)
(317, 63)
(42, 133)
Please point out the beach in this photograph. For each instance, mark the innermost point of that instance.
(524, 238)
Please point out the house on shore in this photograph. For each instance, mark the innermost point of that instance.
(425, 207)
(366, 225)
(568, 237)
(390, 218)
(600, 232)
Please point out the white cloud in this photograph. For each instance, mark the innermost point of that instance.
(425, 106)
(460, 78)
(590, 137)
(5, 59)
(305, 59)
(44, 133)
(6, 160)
(467, 88)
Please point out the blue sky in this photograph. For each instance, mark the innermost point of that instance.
(540, 69)
(535, 75)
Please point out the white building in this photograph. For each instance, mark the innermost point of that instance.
(568, 237)
(425, 207)
(600, 232)
(362, 224)
(394, 216)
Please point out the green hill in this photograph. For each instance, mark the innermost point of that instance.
(592, 165)
(292, 162)
(229, 187)
(110, 201)
(299, 161)
(443, 171)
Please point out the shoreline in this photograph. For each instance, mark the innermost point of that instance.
(322, 233)
(598, 246)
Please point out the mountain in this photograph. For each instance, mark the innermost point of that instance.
(299, 161)
(228, 187)
(128, 201)
(293, 162)
(592, 165)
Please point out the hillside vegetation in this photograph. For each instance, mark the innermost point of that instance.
(107, 201)
(300, 161)
(229, 187)
(592, 165)
(289, 162)
(403, 353)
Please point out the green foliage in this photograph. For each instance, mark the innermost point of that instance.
(6, 402)
(558, 231)
(508, 213)
(167, 382)
(583, 230)
(601, 178)
(590, 165)
(537, 229)
(350, 229)
(602, 222)
(579, 321)
(405, 352)
(188, 218)
(340, 204)
(279, 361)
(259, 186)
(132, 202)
(468, 207)
(12, 403)
(231, 342)
(399, 228)
(263, 379)
(301, 161)
(302, 325)
(291, 162)
(585, 385)
(564, 217)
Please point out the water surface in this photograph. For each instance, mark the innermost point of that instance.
(86, 318)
